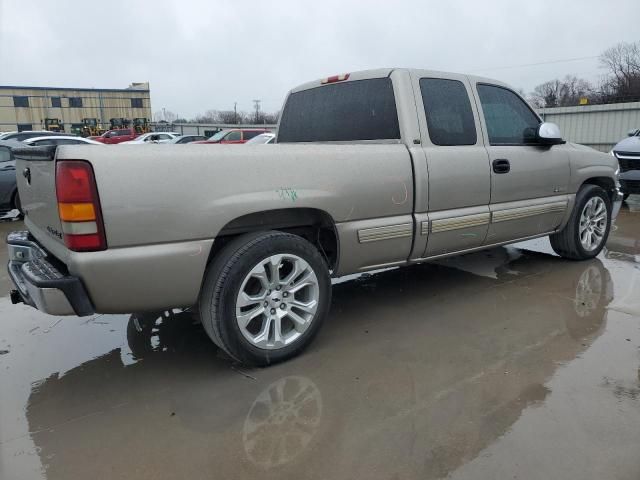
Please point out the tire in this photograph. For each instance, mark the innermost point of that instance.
(240, 268)
(567, 243)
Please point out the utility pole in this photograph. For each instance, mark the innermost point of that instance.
(256, 104)
(235, 112)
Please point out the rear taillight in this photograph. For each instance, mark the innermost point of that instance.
(79, 206)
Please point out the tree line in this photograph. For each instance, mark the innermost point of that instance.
(621, 83)
(220, 116)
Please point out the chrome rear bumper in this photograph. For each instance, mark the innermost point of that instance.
(40, 282)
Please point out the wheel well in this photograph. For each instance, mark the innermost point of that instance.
(316, 226)
(606, 183)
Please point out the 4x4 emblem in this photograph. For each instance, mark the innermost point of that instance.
(26, 173)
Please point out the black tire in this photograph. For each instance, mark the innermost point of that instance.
(223, 280)
(566, 243)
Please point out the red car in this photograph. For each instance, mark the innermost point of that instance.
(117, 135)
(235, 135)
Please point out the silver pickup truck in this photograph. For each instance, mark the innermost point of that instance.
(371, 169)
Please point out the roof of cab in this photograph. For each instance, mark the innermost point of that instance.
(385, 72)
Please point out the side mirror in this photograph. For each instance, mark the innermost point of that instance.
(549, 134)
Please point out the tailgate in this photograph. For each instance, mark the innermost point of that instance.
(36, 178)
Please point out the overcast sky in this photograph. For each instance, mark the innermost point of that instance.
(200, 55)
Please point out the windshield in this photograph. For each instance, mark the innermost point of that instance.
(219, 136)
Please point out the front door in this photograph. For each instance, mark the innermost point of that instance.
(457, 164)
(529, 182)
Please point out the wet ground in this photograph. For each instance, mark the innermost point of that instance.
(508, 363)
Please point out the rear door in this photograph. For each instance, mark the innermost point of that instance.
(234, 136)
(529, 182)
(457, 164)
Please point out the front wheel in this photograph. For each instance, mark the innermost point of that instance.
(265, 297)
(588, 227)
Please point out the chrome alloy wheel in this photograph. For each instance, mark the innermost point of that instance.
(277, 301)
(593, 223)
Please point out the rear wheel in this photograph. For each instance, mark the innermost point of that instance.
(588, 227)
(265, 297)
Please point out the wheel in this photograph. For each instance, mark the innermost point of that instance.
(265, 297)
(588, 227)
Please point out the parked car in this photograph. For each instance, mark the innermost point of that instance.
(60, 140)
(372, 169)
(235, 135)
(25, 135)
(153, 137)
(262, 139)
(627, 151)
(187, 139)
(118, 135)
(9, 197)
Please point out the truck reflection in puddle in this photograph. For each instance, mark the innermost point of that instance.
(405, 359)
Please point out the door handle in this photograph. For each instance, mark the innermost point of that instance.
(501, 165)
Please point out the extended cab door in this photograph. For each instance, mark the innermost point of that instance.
(457, 164)
(529, 181)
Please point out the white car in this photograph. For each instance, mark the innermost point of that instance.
(60, 140)
(152, 137)
(262, 139)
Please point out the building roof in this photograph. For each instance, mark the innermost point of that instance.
(73, 89)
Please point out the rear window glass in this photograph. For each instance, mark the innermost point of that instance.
(249, 134)
(359, 110)
(448, 111)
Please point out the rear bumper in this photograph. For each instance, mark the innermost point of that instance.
(40, 282)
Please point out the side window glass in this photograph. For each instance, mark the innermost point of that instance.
(233, 136)
(448, 111)
(5, 154)
(509, 119)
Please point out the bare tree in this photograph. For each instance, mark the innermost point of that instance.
(623, 63)
(561, 93)
(227, 116)
(164, 116)
(271, 118)
(547, 94)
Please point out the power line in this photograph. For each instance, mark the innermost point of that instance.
(549, 62)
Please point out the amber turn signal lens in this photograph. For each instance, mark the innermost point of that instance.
(76, 212)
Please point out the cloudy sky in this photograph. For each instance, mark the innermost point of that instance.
(201, 55)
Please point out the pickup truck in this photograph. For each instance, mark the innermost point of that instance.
(372, 169)
(118, 135)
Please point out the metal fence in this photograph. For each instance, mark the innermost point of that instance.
(598, 126)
